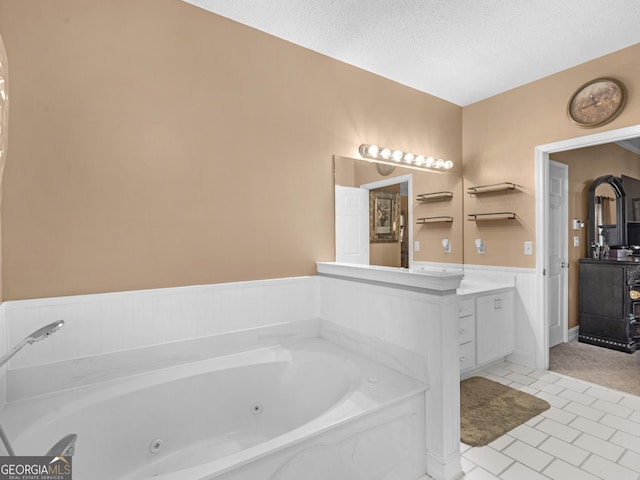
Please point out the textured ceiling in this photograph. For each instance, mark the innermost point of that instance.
(460, 50)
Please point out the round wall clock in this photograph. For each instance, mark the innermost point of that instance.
(597, 102)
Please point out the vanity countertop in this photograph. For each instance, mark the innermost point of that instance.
(435, 281)
(471, 288)
(429, 281)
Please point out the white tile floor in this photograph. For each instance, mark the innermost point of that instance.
(589, 433)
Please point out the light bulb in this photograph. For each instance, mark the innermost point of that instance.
(397, 155)
(420, 160)
(439, 163)
(409, 157)
(429, 161)
(370, 151)
(448, 164)
(385, 153)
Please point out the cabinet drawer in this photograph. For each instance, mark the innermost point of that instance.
(467, 330)
(467, 355)
(466, 307)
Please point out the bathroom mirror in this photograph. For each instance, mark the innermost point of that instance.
(424, 226)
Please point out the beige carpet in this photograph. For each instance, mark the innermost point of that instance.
(602, 366)
(489, 409)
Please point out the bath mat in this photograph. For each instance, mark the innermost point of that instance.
(489, 409)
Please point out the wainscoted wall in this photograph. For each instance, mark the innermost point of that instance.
(105, 323)
(112, 322)
(147, 206)
(529, 330)
(420, 326)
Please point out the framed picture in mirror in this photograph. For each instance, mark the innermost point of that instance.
(384, 212)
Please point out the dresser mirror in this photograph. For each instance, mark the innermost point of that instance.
(607, 215)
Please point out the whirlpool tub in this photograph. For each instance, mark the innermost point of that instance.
(307, 409)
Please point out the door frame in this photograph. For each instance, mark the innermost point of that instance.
(541, 318)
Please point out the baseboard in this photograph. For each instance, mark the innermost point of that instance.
(573, 333)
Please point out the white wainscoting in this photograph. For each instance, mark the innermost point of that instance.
(423, 328)
(113, 322)
(528, 337)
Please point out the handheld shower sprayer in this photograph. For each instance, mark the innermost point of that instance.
(66, 445)
(36, 336)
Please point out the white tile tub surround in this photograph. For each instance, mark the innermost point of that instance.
(425, 324)
(54, 377)
(114, 322)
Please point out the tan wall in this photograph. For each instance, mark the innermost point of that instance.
(155, 144)
(585, 165)
(499, 138)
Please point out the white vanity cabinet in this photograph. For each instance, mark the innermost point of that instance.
(486, 328)
(494, 326)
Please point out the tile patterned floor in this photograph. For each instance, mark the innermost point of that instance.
(589, 433)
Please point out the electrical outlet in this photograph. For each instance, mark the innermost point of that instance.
(416, 246)
(528, 248)
(576, 241)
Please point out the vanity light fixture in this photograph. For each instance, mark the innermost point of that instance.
(404, 159)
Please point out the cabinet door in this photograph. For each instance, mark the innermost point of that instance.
(494, 327)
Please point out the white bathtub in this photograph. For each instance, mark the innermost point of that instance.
(307, 409)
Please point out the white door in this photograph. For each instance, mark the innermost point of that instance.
(558, 253)
(352, 225)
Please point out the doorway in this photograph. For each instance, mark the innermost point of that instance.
(352, 228)
(400, 257)
(543, 284)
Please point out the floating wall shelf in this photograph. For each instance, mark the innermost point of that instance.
(434, 197)
(424, 220)
(496, 187)
(491, 216)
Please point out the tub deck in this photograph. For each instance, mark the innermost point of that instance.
(90, 410)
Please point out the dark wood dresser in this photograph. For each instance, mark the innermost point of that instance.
(609, 303)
